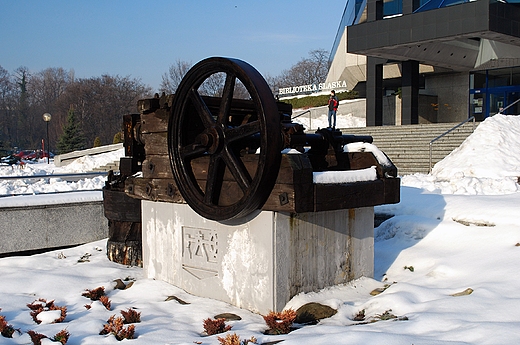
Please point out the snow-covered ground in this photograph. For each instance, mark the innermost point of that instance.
(446, 263)
(343, 119)
(32, 191)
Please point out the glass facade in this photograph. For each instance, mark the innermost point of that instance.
(491, 91)
(392, 7)
(355, 13)
(494, 91)
(434, 4)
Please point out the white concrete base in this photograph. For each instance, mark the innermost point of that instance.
(261, 264)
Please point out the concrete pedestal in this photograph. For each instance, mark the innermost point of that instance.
(260, 264)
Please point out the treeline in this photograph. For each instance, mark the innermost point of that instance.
(88, 111)
(312, 69)
(98, 104)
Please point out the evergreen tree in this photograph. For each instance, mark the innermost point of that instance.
(24, 125)
(72, 138)
(118, 138)
(97, 142)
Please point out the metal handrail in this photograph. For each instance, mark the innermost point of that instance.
(305, 112)
(53, 192)
(63, 176)
(509, 106)
(472, 118)
(68, 177)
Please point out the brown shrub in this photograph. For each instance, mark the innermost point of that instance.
(216, 326)
(131, 316)
(115, 326)
(43, 305)
(280, 322)
(95, 294)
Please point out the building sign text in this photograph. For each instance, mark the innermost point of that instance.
(312, 87)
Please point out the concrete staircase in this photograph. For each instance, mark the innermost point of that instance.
(114, 166)
(408, 145)
(67, 158)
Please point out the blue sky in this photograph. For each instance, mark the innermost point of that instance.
(141, 39)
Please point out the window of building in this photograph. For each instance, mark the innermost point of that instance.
(499, 77)
(434, 4)
(495, 91)
(392, 7)
(476, 105)
(477, 80)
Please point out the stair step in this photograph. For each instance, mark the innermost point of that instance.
(408, 146)
(114, 166)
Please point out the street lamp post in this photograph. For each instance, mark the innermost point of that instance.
(47, 118)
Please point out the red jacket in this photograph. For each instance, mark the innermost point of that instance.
(333, 103)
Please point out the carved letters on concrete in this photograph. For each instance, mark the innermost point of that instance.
(200, 252)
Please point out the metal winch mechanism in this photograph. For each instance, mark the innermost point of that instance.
(230, 155)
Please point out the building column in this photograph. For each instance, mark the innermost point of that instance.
(408, 6)
(374, 86)
(410, 92)
(374, 10)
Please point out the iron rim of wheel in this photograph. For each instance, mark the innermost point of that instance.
(196, 133)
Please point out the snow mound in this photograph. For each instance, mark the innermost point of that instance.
(486, 163)
(491, 151)
(89, 163)
(49, 184)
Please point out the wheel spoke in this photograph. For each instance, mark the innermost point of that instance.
(237, 168)
(214, 180)
(201, 108)
(192, 151)
(243, 131)
(227, 98)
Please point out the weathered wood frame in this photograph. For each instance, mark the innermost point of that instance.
(293, 192)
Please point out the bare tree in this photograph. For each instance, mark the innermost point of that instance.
(46, 88)
(100, 102)
(4, 83)
(310, 70)
(172, 79)
(48, 85)
(212, 86)
(7, 106)
(274, 82)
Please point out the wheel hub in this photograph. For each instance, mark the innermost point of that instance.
(211, 139)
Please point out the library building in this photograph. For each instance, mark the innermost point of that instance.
(436, 61)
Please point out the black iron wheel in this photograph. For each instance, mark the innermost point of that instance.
(225, 165)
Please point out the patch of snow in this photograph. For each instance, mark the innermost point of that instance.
(347, 176)
(367, 147)
(455, 230)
